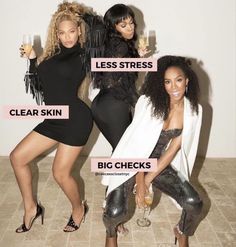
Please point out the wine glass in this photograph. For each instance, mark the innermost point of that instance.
(148, 199)
(27, 45)
(143, 41)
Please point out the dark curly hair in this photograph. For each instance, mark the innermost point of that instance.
(154, 87)
(116, 14)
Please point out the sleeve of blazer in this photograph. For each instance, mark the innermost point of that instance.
(193, 150)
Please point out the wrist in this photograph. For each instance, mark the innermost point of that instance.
(148, 180)
(32, 54)
(32, 57)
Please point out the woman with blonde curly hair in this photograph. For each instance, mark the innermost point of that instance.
(56, 76)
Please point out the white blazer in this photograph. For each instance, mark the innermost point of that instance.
(142, 134)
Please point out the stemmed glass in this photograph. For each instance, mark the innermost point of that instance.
(143, 40)
(144, 221)
(143, 43)
(27, 45)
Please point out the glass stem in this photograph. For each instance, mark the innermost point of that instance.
(144, 212)
(149, 210)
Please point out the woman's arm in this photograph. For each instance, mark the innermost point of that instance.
(32, 81)
(140, 189)
(165, 159)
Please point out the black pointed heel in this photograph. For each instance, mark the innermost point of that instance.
(71, 222)
(175, 240)
(179, 235)
(86, 209)
(39, 212)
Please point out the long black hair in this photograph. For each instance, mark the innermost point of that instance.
(116, 14)
(154, 87)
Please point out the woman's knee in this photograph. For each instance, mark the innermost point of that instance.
(114, 212)
(193, 204)
(16, 158)
(60, 175)
(112, 217)
(116, 208)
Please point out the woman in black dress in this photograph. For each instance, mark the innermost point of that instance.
(111, 108)
(57, 77)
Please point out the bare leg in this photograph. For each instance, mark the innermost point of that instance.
(62, 167)
(29, 148)
(182, 238)
(111, 242)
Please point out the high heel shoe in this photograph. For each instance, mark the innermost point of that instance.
(182, 239)
(39, 212)
(122, 230)
(71, 222)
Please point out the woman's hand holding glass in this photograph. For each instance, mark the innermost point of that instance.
(144, 199)
(25, 54)
(140, 190)
(26, 50)
(143, 43)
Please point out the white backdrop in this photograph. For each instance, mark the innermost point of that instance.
(202, 30)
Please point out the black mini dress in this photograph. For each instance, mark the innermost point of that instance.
(60, 77)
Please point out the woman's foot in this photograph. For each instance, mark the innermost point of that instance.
(182, 238)
(76, 218)
(30, 216)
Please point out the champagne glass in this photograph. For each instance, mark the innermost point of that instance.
(27, 45)
(143, 41)
(148, 199)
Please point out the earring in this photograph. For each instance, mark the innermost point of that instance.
(186, 89)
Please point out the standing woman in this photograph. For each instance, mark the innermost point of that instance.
(170, 115)
(57, 76)
(111, 108)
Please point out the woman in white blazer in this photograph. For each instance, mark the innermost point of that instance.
(166, 126)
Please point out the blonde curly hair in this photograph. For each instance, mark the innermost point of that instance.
(65, 12)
